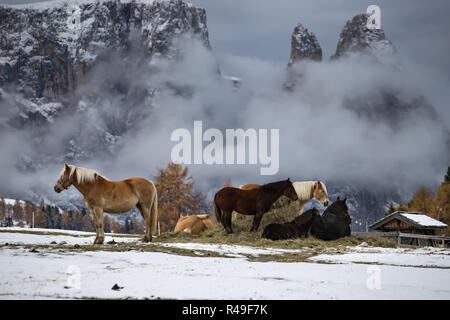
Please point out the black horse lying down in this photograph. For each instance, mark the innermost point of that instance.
(294, 229)
(334, 223)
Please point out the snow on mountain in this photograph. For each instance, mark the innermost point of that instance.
(304, 45)
(355, 37)
(13, 201)
(48, 57)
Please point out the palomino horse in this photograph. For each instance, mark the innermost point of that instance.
(194, 224)
(101, 195)
(255, 202)
(306, 190)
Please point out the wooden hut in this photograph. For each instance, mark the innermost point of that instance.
(404, 222)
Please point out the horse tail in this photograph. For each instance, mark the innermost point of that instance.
(219, 215)
(154, 213)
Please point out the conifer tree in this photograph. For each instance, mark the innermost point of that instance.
(2, 209)
(17, 210)
(423, 201)
(443, 204)
(447, 176)
(67, 220)
(390, 210)
(40, 219)
(177, 196)
(28, 210)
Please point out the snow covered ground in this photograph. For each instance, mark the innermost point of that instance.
(359, 273)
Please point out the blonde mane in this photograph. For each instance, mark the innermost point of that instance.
(83, 175)
(305, 188)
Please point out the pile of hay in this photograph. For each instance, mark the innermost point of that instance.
(282, 211)
(218, 235)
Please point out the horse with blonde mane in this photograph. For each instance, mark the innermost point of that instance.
(306, 190)
(194, 224)
(102, 195)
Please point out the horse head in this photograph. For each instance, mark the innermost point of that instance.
(65, 179)
(289, 190)
(320, 193)
(339, 208)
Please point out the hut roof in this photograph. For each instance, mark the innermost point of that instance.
(417, 219)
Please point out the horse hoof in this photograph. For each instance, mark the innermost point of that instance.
(98, 241)
(147, 239)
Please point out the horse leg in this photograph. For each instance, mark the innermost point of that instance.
(256, 221)
(226, 221)
(145, 213)
(98, 221)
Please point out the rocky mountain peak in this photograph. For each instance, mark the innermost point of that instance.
(355, 37)
(304, 45)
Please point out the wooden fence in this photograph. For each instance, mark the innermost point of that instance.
(414, 239)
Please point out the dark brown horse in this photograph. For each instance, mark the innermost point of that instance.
(334, 223)
(294, 229)
(250, 202)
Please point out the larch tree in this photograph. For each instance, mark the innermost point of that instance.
(177, 196)
(17, 210)
(67, 220)
(443, 204)
(28, 210)
(40, 219)
(2, 209)
(423, 201)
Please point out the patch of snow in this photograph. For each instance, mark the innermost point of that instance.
(28, 275)
(13, 202)
(44, 274)
(50, 231)
(45, 5)
(421, 257)
(38, 239)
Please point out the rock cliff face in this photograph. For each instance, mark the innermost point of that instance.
(85, 60)
(304, 45)
(356, 37)
(45, 54)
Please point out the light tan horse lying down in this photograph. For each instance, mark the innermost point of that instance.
(194, 224)
(306, 190)
(101, 195)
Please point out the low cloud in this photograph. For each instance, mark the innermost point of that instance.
(321, 136)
